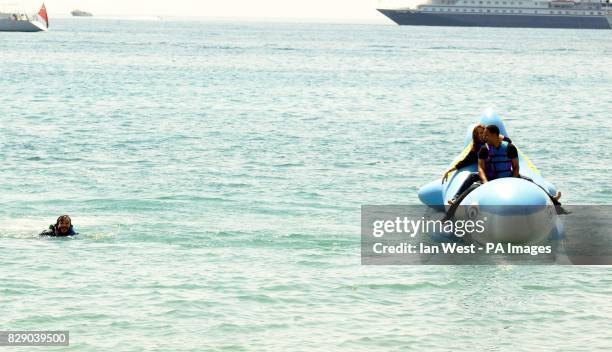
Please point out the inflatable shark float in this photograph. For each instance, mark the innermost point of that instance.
(516, 210)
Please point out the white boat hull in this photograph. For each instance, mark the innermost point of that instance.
(10, 25)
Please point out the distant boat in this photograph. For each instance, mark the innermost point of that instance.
(589, 14)
(79, 13)
(22, 22)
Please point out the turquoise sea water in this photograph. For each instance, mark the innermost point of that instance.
(216, 171)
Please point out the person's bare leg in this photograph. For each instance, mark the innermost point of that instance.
(557, 196)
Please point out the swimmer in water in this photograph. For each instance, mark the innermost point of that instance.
(62, 228)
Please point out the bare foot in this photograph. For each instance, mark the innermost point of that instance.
(451, 201)
(557, 196)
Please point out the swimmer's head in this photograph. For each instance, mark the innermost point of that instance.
(63, 224)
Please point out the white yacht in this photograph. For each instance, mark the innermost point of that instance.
(15, 21)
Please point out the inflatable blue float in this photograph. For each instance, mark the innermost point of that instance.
(517, 210)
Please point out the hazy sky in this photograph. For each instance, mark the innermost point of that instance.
(305, 9)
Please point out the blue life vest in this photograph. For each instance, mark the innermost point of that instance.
(497, 164)
(52, 232)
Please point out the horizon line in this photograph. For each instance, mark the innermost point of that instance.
(355, 20)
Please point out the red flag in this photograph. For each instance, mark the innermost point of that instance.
(43, 14)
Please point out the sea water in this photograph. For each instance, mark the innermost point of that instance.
(216, 169)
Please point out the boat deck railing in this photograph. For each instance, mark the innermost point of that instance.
(18, 17)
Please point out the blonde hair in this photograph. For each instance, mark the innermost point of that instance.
(475, 138)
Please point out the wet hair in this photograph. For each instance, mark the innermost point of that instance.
(493, 129)
(63, 217)
(475, 137)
